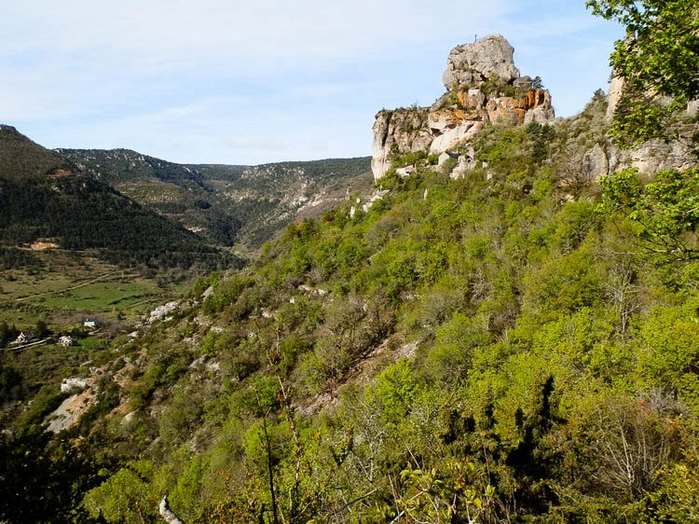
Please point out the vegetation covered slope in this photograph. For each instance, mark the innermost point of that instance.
(227, 204)
(22, 159)
(268, 197)
(506, 347)
(172, 190)
(44, 196)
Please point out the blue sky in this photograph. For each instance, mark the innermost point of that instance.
(250, 82)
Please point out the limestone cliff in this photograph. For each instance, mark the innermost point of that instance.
(483, 87)
(398, 130)
(675, 151)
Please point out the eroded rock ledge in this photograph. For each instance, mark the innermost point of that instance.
(483, 87)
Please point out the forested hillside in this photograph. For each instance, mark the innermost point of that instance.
(494, 348)
(45, 197)
(229, 205)
(171, 190)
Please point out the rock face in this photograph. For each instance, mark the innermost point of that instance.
(471, 65)
(616, 89)
(68, 414)
(653, 155)
(483, 87)
(163, 311)
(401, 130)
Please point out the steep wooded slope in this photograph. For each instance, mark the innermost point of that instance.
(228, 205)
(44, 196)
(506, 346)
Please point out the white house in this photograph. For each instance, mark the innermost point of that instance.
(25, 337)
(66, 341)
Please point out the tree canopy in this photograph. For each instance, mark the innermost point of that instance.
(659, 57)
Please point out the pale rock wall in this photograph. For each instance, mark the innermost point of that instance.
(483, 87)
(595, 162)
(616, 88)
(398, 130)
(473, 64)
(654, 155)
(693, 108)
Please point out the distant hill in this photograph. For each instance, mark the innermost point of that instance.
(175, 191)
(46, 197)
(227, 204)
(268, 197)
(22, 159)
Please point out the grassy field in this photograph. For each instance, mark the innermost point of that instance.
(117, 294)
(64, 290)
(68, 288)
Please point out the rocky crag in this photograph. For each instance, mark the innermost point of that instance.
(483, 87)
(677, 150)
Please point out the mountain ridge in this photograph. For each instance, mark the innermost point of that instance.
(44, 196)
(24, 158)
(229, 204)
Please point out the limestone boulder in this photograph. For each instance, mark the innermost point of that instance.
(463, 166)
(451, 137)
(472, 64)
(539, 115)
(512, 110)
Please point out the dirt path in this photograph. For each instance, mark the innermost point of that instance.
(26, 346)
(108, 276)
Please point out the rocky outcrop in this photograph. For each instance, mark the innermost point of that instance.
(483, 87)
(677, 152)
(471, 65)
(161, 312)
(73, 384)
(655, 155)
(401, 130)
(167, 514)
(616, 88)
(68, 414)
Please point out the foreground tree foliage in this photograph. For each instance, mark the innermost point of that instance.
(665, 211)
(658, 57)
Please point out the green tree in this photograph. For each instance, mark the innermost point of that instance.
(665, 211)
(42, 329)
(4, 333)
(658, 57)
(127, 496)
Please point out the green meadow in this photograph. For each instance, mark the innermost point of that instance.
(64, 289)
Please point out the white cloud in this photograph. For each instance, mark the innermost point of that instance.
(160, 33)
